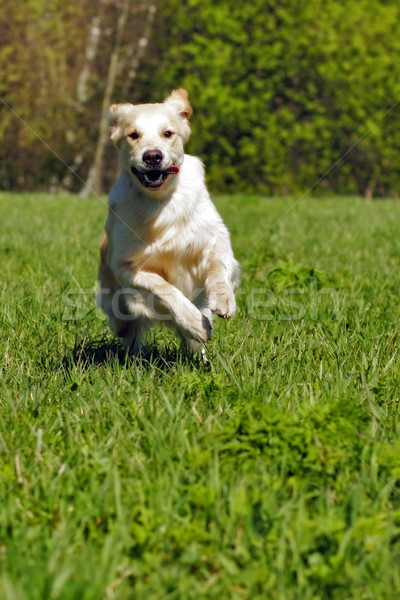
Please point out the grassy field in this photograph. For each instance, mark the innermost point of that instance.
(271, 472)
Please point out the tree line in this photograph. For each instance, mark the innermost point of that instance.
(289, 95)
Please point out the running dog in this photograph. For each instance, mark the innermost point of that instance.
(166, 255)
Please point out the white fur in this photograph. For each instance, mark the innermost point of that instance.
(166, 255)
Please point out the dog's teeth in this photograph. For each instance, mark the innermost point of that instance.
(152, 179)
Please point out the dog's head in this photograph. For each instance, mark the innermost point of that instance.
(150, 138)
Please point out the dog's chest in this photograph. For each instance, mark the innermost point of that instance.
(174, 257)
(176, 231)
(176, 251)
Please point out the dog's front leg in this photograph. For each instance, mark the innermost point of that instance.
(161, 301)
(222, 276)
(221, 298)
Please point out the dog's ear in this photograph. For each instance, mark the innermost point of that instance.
(115, 116)
(178, 101)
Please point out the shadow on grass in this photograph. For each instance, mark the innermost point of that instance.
(104, 352)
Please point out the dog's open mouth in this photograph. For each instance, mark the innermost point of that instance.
(154, 179)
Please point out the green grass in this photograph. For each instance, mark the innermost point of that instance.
(271, 472)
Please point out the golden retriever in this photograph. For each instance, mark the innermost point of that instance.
(166, 254)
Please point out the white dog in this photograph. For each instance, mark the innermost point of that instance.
(166, 254)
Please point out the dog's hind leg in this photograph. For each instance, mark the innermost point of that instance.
(132, 336)
(129, 328)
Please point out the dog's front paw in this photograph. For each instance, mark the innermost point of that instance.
(221, 301)
(207, 328)
(195, 326)
(202, 331)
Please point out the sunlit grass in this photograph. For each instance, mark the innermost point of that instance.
(271, 472)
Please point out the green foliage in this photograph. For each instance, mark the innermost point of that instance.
(283, 90)
(271, 472)
(288, 96)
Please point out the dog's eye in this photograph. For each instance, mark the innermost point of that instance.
(133, 135)
(168, 134)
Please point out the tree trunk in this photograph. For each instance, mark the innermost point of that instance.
(93, 183)
(134, 55)
(82, 91)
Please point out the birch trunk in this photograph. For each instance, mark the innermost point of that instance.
(93, 183)
(135, 53)
(82, 88)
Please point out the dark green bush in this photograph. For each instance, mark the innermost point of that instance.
(283, 89)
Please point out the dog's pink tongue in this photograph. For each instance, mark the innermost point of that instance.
(173, 170)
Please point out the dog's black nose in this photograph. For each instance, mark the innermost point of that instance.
(152, 158)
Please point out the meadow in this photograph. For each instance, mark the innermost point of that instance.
(272, 471)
